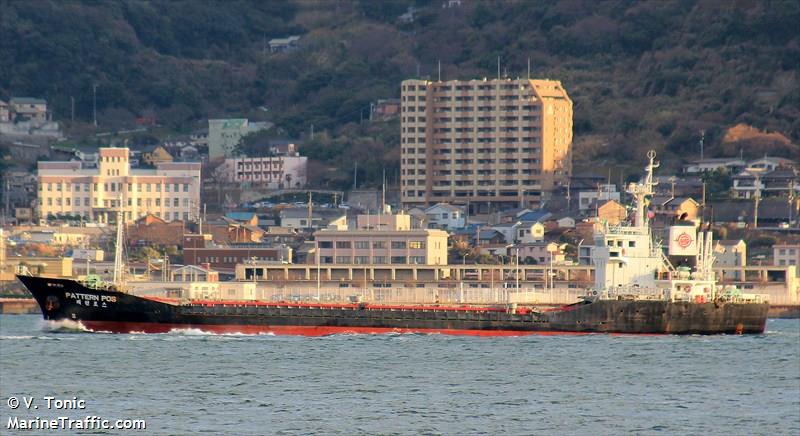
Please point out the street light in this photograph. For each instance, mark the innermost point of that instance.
(756, 172)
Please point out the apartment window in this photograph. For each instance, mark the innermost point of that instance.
(86, 188)
(398, 245)
(185, 202)
(417, 260)
(342, 259)
(419, 244)
(158, 202)
(379, 260)
(379, 244)
(175, 187)
(158, 187)
(185, 187)
(139, 202)
(398, 259)
(325, 244)
(343, 244)
(176, 202)
(362, 244)
(361, 260)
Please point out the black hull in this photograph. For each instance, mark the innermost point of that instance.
(114, 311)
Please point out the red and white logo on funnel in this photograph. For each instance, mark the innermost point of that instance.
(684, 240)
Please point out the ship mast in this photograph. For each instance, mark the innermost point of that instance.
(119, 244)
(641, 190)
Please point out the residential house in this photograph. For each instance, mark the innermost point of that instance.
(527, 232)
(768, 163)
(666, 210)
(194, 273)
(559, 221)
(248, 218)
(772, 212)
(151, 230)
(284, 45)
(729, 165)
(19, 186)
(490, 236)
(298, 218)
(539, 253)
(602, 193)
(28, 108)
(384, 109)
(610, 211)
(786, 254)
(493, 250)
(228, 231)
(778, 182)
(419, 219)
(445, 216)
(155, 154)
(730, 253)
(5, 112)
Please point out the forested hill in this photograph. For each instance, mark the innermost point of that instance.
(641, 74)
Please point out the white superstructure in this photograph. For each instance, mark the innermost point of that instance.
(630, 264)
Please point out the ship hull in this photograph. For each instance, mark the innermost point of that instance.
(112, 311)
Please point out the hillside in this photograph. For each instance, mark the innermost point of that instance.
(641, 74)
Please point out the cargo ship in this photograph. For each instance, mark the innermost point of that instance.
(637, 291)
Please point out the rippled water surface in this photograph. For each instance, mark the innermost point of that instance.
(189, 383)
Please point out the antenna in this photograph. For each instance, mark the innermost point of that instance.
(383, 194)
(118, 267)
(498, 67)
(440, 70)
(529, 68)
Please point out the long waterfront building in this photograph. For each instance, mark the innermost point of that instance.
(491, 143)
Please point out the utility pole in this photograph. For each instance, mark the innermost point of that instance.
(702, 141)
(72, 108)
(94, 103)
(757, 197)
(310, 212)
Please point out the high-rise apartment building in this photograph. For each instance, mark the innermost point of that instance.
(171, 191)
(491, 143)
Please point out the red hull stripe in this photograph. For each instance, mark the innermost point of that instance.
(147, 327)
(368, 306)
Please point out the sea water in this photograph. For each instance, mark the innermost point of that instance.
(187, 382)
